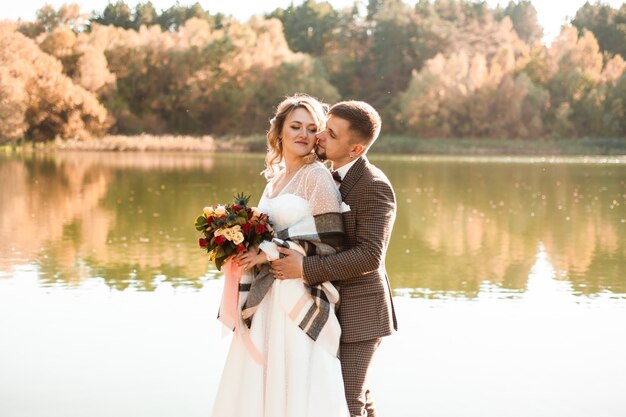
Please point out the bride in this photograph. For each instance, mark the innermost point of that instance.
(283, 357)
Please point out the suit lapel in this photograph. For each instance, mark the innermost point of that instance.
(352, 176)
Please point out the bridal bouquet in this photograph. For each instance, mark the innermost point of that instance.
(232, 228)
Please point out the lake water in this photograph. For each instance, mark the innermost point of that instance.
(509, 277)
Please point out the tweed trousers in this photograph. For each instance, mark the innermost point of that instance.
(356, 359)
(365, 310)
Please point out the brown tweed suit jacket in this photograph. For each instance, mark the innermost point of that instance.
(365, 307)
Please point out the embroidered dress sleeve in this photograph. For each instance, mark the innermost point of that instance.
(321, 192)
(325, 201)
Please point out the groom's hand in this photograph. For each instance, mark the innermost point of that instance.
(289, 266)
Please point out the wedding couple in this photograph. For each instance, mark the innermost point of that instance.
(315, 303)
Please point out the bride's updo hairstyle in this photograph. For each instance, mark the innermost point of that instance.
(274, 156)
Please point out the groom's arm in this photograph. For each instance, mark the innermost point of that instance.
(376, 214)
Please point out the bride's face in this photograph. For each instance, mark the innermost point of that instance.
(298, 134)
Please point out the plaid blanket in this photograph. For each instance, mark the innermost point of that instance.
(321, 235)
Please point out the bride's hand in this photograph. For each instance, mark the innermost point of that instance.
(250, 258)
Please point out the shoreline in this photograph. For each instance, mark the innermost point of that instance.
(389, 144)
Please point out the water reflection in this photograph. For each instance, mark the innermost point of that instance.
(464, 228)
(126, 218)
(463, 223)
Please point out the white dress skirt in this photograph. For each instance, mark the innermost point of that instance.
(274, 369)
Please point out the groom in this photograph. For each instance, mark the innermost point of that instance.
(365, 311)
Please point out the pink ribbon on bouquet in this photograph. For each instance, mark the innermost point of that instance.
(229, 308)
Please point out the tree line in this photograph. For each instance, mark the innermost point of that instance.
(442, 68)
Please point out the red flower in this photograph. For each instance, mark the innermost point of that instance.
(240, 247)
(235, 207)
(203, 242)
(260, 228)
(220, 239)
(246, 228)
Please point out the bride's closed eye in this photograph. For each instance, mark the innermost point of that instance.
(312, 129)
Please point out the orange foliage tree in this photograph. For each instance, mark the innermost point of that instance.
(438, 68)
(41, 101)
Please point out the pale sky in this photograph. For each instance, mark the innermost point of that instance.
(551, 13)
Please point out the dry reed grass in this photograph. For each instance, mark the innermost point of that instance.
(139, 143)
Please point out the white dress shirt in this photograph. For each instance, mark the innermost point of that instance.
(344, 169)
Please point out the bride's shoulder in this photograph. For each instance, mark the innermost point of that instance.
(318, 175)
(317, 168)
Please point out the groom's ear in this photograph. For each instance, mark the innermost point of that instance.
(357, 150)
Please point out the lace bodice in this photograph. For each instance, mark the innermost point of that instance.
(311, 191)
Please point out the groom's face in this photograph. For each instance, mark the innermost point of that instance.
(335, 142)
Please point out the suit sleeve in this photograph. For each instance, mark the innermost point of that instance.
(376, 214)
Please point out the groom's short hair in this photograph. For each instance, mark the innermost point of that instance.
(364, 120)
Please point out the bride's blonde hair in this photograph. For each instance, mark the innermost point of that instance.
(274, 156)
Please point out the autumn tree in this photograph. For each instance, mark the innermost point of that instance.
(607, 24)
(436, 68)
(575, 66)
(48, 19)
(202, 79)
(145, 14)
(388, 69)
(308, 27)
(472, 96)
(120, 14)
(615, 109)
(239, 91)
(580, 80)
(116, 14)
(523, 15)
(45, 103)
(344, 54)
(12, 106)
(173, 18)
(61, 44)
(82, 61)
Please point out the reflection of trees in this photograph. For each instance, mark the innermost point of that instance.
(41, 199)
(128, 219)
(100, 215)
(461, 223)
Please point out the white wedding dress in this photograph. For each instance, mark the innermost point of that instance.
(274, 369)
